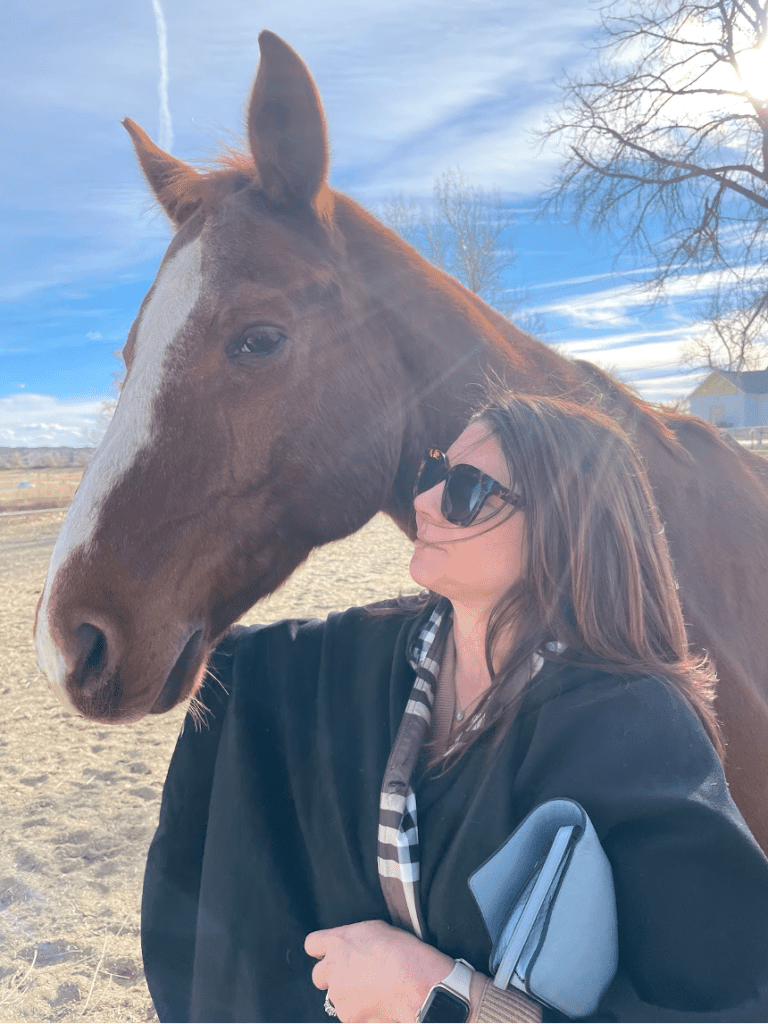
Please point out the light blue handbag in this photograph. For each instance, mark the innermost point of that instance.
(548, 903)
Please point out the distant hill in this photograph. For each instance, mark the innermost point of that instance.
(44, 458)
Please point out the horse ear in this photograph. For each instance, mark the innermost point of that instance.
(286, 127)
(176, 185)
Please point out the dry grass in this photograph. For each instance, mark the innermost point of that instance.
(79, 801)
(50, 488)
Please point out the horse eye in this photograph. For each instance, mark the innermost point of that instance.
(259, 341)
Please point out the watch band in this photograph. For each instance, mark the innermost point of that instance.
(449, 1000)
(459, 979)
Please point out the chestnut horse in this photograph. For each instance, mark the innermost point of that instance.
(290, 364)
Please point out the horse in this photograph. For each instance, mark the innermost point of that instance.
(289, 366)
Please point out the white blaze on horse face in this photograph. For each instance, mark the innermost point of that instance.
(177, 289)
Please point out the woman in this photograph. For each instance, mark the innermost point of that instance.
(327, 796)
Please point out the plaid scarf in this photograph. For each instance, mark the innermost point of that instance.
(398, 846)
(398, 840)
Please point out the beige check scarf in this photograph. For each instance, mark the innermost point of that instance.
(398, 839)
(398, 846)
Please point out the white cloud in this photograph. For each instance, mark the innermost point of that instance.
(30, 420)
(627, 341)
(628, 330)
(616, 305)
(649, 366)
(463, 85)
(625, 329)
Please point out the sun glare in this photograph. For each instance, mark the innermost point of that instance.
(753, 68)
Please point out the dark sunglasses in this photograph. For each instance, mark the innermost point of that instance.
(466, 488)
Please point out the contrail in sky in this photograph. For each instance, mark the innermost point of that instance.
(166, 128)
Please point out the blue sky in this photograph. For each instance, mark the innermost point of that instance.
(410, 90)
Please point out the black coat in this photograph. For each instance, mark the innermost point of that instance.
(270, 812)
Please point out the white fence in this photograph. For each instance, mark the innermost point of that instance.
(750, 437)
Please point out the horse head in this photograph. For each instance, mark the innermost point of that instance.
(263, 413)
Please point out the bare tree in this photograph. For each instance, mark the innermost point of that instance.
(666, 147)
(466, 233)
(96, 434)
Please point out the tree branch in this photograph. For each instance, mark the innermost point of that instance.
(671, 157)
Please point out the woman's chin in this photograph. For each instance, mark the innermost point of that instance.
(415, 570)
(423, 567)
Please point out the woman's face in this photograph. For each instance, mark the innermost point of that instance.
(470, 565)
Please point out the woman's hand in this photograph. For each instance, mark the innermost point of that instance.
(374, 972)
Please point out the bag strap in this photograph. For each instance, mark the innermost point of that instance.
(547, 876)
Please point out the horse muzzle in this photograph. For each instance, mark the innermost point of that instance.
(88, 666)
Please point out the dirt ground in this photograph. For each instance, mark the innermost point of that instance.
(79, 801)
(23, 489)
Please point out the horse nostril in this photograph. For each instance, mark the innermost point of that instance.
(91, 656)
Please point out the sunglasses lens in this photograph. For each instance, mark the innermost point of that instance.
(465, 491)
(463, 494)
(432, 472)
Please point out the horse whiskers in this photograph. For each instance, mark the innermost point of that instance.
(197, 712)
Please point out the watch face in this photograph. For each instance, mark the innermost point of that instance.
(445, 1007)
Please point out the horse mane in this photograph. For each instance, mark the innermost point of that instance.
(619, 401)
(233, 157)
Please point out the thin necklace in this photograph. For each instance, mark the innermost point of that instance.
(448, 667)
(459, 714)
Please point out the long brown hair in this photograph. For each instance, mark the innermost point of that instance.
(597, 576)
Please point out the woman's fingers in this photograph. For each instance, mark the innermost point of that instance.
(316, 943)
(320, 974)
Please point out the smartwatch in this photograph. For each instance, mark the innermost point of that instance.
(449, 1001)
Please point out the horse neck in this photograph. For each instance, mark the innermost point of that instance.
(447, 338)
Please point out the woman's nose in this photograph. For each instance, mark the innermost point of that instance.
(428, 503)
